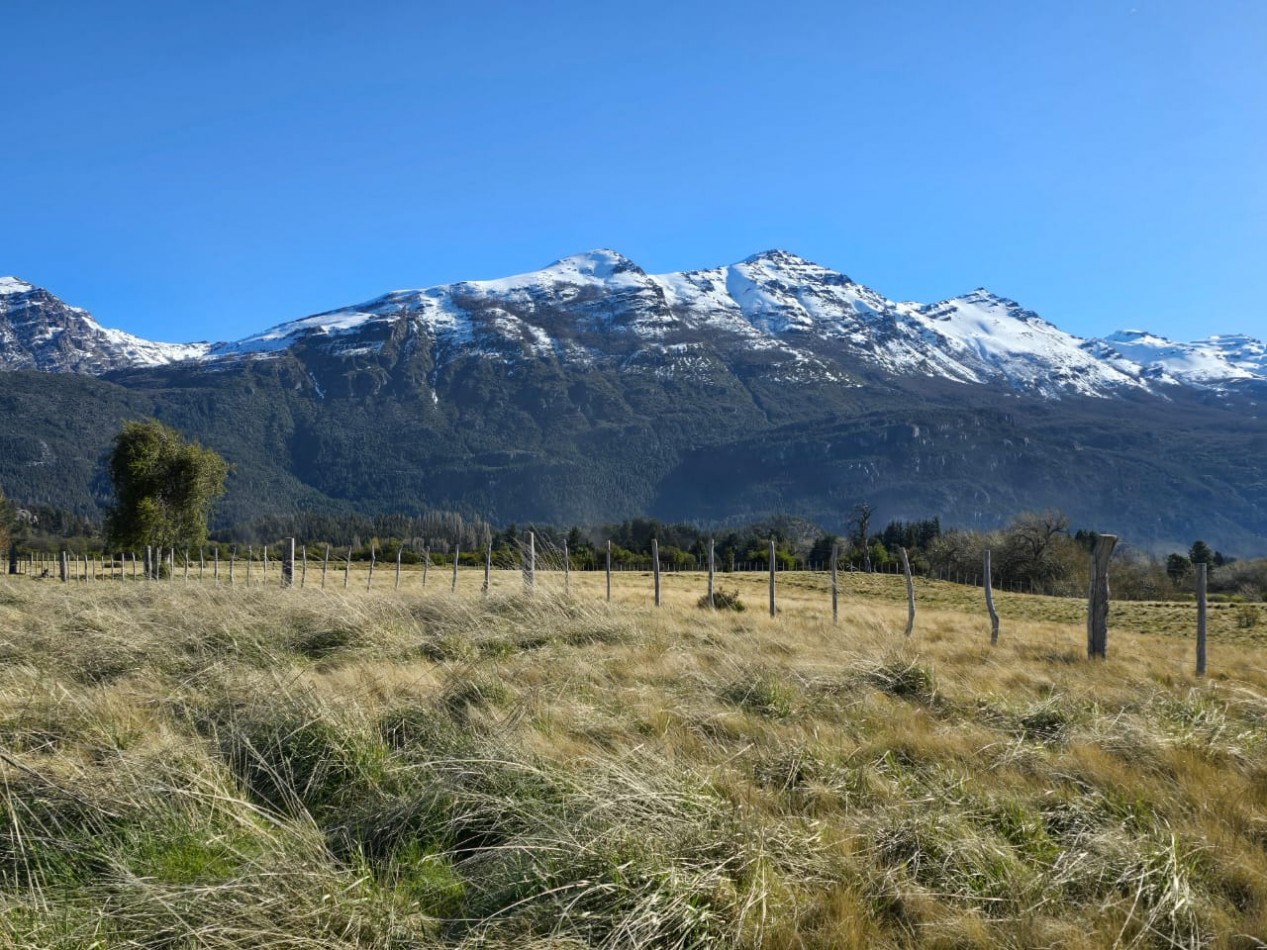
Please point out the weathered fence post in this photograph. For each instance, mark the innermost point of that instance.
(773, 566)
(910, 592)
(13, 557)
(457, 556)
(63, 564)
(303, 570)
(655, 568)
(567, 570)
(609, 571)
(1098, 597)
(712, 570)
(233, 556)
(347, 568)
(150, 572)
(202, 564)
(171, 565)
(186, 565)
(265, 575)
(400, 550)
(530, 562)
(369, 581)
(989, 600)
(288, 563)
(250, 556)
(215, 565)
(325, 565)
(1201, 588)
(426, 562)
(488, 569)
(835, 586)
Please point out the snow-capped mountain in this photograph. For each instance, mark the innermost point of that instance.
(799, 320)
(1213, 360)
(38, 331)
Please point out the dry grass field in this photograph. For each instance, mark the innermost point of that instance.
(191, 765)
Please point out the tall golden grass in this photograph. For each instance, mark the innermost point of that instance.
(191, 765)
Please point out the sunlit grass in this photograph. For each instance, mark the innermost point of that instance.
(198, 765)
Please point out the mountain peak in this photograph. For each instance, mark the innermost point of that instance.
(599, 262)
(14, 285)
(777, 256)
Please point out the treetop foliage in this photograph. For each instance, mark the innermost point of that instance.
(164, 487)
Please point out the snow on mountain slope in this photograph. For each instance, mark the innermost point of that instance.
(798, 320)
(38, 331)
(1216, 359)
(991, 335)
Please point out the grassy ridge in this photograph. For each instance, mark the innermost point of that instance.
(192, 766)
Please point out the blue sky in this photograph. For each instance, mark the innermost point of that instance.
(200, 171)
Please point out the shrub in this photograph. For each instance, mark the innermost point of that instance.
(722, 600)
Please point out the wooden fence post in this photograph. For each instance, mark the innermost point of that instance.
(1201, 598)
(171, 565)
(63, 566)
(215, 564)
(1098, 597)
(457, 556)
(325, 566)
(989, 600)
(609, 571)
(426, 562)
(655, 568)
(400, 550)
(567, 570)
(910, 592)
(773, 566)
(149, 563)
(288, 563)
(13, 557)
(835, 585)
(347, 568)
(369, 581)
(265, 574)
(303, 570)
(202, 564)
(186, 565)
(233, 556)
(712, 569)
(530, 562)
(488, 569)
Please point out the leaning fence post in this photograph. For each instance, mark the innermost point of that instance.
(655, 568)
(910, 592)
(347, 568)
(457, 555)
(773, 564)
(609, 571)
(488, 568)
(835, 586)
(369, 581)
(400, 550)
(303, 570)
(202, 564)
(1098, 597)
(288, 563)
(989, 600)
(426, 562)
(712, 569)
(325, 564)
(1201, 587)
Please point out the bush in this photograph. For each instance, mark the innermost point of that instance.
(722, 600)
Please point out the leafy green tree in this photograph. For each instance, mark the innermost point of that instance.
(1178, 566)
(164, 487)
(1200, 553)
